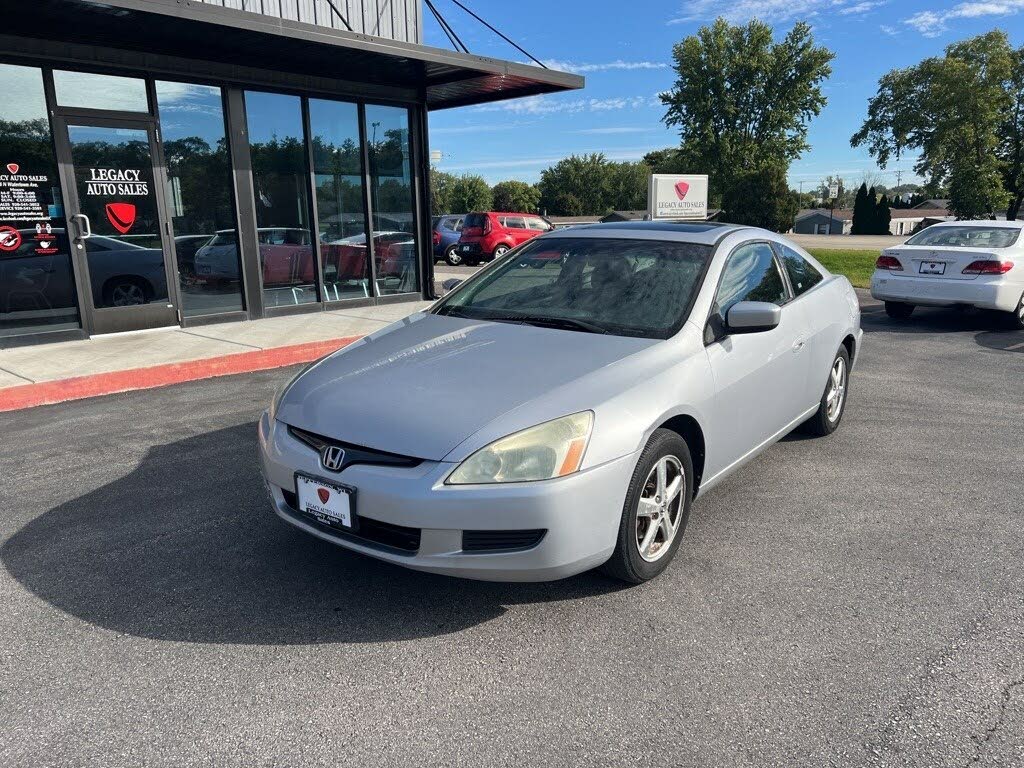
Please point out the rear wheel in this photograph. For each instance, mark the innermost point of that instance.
(451, 256)
(833, 400)
(500, 251)
(898, 310)
(656, 510)
(1015, 319)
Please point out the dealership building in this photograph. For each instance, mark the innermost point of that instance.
(178, 162)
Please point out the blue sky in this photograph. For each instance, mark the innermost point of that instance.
(624, 51)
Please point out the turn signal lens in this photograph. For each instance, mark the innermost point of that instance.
(988, 267)
(890, 263)
(552, 449)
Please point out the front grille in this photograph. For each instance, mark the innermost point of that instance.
(354, 454)
(501, 541)
(370, 532)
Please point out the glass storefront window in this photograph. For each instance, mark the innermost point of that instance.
(200, 197)
(391, 195)
(37, 285)
(280, 177)
(341, 225)
(92, 91)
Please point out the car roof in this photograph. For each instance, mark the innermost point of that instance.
(705, 232)
(979, 223)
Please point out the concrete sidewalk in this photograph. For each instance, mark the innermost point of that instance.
(48, 373)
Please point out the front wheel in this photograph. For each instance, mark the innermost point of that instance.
(833, 400)
(656, 510)
(898, 310)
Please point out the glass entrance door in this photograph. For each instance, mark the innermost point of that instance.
(117, 212)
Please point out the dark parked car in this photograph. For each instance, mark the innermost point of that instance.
(446, 236)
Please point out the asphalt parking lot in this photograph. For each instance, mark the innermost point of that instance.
(853, 601)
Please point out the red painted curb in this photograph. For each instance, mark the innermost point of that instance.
(79, 387)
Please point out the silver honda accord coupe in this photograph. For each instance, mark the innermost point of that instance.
(562, 408)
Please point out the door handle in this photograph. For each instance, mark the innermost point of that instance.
(87, 229)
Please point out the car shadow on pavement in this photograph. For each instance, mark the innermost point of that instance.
(185, 547)
(937, 320)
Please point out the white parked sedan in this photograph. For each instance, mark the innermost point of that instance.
(960, 263)
(562, 408)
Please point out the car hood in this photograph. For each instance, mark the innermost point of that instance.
(425, 384)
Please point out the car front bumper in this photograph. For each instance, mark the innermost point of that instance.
(984, 292)
(579, 514)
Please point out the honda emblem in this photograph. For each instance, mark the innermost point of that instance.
(332, 457)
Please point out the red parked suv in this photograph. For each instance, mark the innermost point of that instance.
(487, 236)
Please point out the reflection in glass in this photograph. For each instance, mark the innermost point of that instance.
(278, 149)
(92, 91)
(37, 286)
(341, 225)
(114, 179)
(391, 194)
(199, 197)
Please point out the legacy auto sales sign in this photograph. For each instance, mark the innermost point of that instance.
(678, 197)
(114, 182)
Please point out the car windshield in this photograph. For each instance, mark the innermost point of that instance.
(968, 237)
(596, 285)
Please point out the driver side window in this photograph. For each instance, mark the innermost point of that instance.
(751, 274)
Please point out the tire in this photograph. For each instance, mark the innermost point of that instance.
(1015, 320)
(898, 310)
(125, 292)
(826, 420)
(499, 251)
(451, 256)
(628, 563)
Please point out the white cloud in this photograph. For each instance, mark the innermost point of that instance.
(862, 7)
(770, 10)
(891, 31)
(618, 64)
(934, 23)
(549, 105)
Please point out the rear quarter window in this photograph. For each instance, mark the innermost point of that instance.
(802, 275)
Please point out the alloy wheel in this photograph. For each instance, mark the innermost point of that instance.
(660, 509)
(836, 390)
(127, 294)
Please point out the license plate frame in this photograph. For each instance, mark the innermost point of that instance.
(325, 512)
(932, 268)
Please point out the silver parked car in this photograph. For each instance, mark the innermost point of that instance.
(562, 408)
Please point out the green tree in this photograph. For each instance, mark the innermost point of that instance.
(441, 191)
(871, 222)
(883, 216)
(861, 216)
(516, 196)
(775, 207)
(467, 193)
(582, 185)
(963, 123)
(742, 103)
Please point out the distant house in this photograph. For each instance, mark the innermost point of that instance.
(815, 221)
(903, 221)
(933, 204)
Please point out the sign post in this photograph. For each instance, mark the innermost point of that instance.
(833, 193)
(671, 196)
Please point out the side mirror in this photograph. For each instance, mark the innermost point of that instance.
(753, 317)
(450, 284)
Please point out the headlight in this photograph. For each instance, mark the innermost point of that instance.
(552, 449)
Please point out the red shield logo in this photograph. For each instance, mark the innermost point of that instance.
(681, 189)
(324, 495)
(13, 168)
(10, 239)
(121, 216)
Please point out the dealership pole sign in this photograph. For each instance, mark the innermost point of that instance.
(671, 196)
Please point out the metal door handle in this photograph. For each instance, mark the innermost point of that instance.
(87, 230)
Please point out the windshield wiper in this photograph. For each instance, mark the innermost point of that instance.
(565, 323)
